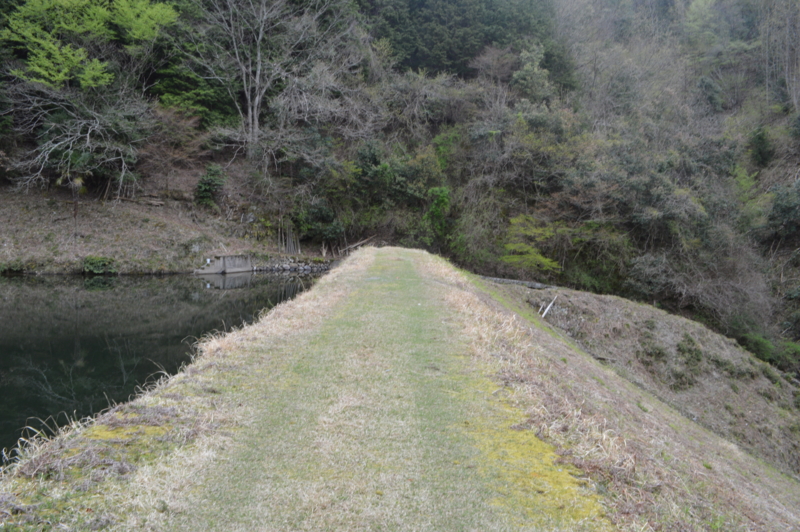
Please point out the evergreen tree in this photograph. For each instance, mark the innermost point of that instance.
(445, 35)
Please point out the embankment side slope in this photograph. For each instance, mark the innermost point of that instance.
(399, 393)
(708, 377)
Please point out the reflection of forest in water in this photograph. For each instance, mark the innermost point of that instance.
(71, 344)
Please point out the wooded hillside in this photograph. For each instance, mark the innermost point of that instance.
(647, 149)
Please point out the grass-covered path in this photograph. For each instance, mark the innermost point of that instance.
(377, 418)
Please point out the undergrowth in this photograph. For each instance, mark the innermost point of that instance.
(209, 186)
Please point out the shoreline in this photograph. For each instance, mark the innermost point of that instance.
(41, 237)
(281, 264)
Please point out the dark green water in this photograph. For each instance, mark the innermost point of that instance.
(69, 345)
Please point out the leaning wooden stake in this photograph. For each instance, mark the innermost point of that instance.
(357, 244)
(548, 306)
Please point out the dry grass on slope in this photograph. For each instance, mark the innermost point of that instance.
(41, 233)
(659, 470)
(707, 377)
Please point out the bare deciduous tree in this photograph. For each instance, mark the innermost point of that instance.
(258, 48)
(78, 136)
(496, 64)
(780, 37)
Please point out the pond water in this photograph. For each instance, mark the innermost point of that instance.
(69, 345)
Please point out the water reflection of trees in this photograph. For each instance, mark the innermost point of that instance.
(69, 348)
(114, 347)
(35, 377)
(78, 386)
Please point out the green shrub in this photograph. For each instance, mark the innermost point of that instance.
(712, 93)
(761, 150)
(525, 235)
(411, 179)
(15, 267)
(95, 265)
(681, 380)
(690, 352)
(376, 178)
(446, 143)
(318, 222)
(180, 88)
(784, 217)
(436, 217)
(787, 356)
(771, 375)
(209, 185)
(731, 369)
(651, 353)
(760, 346)
(97, 283)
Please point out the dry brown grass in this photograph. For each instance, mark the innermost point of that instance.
(661, 471)
(41, 234)
(724, 388)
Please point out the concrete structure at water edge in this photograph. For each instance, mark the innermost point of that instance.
(230, 264)
(227, 264)
(227, 281)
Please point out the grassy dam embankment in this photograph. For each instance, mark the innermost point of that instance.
(398, 394)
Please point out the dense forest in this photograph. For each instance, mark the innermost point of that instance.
(646, 148)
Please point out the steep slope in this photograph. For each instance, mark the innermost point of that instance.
(707, 377)
(662, 470)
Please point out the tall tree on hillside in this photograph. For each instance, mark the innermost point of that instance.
(256, 48)
(780, 35)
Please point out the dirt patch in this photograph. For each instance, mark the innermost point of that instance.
(158, 232)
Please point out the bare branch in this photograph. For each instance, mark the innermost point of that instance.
(269, 47)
